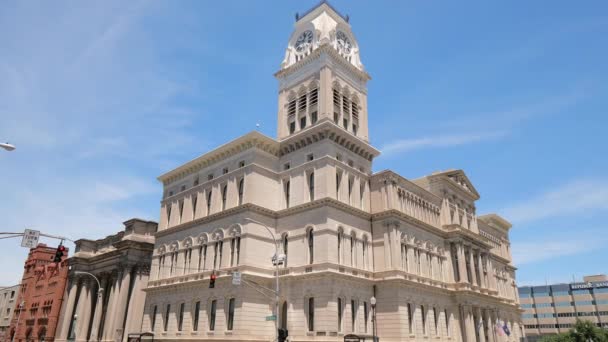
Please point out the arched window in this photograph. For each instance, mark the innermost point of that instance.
(286, 189)
(194, 203)
(285, 249)
(352, 251)
(423, 313)
(340, 239)
(311, 246)
(166, 320)
(212, 312)
(180, 318)
(404, 265)
(230, 316)
(340, 313)
(364, 252)
(284, 316)
(196, 314)
(153, 318)
(353, 315)
(311, 186)
(209, 195)
(224, 194)
(241, 187)
(235, 250)
(217, 254)
(447, 321)
(311, 314)
(202, 257)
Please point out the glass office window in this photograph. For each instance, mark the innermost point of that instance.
(580, 291)
(560, 293)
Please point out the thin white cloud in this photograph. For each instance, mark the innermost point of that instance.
(537, 251)
(440, 141)
(573, 198)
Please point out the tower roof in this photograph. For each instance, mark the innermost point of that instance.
(319, 5)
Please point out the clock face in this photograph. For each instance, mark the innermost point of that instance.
(344, 44)
(304, 41)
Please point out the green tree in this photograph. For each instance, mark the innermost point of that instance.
(583, 331)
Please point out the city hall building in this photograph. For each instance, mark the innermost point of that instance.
(554, 309)
(343, 234)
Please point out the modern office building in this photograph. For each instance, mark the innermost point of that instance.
(121, 264)
(553, 309)
(8, 298)
(352, 244)
(40, 297)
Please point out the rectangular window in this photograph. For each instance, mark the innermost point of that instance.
(225, 171)
(230, 314)
(355, 110)
(180, 322)
(212, 315)
(354, 129)
(337, 98)
(579, 292)
(153, 318)
(302, 122)
(345, 123)
(336, 118)
(345, 105)
(311, 186)
(447, 321)
(311, 314)
(197, 309)
(166, 321)
(436, 318)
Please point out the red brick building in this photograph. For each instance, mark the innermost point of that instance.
(40, 297)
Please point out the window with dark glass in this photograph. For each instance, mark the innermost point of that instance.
(241, 188)
(353, 315)
(224, 195)
(180, 321)
(285, 249)
(292, 127)
(230, 314)
(311, 314)
(365, 316)
(340, 314)
(311, 186)
(311, 247)
(286, 190)
(212, 315)
(197, 309)
(166, 321)
(303, 122)
(153, 318)
(313, 118)
(209, 194)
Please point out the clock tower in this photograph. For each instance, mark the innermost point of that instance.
(322, 77)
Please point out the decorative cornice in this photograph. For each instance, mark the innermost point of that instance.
(253, 139)
(329, 51)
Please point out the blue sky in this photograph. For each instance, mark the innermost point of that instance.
(102, 97)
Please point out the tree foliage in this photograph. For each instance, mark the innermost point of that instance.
(583, 331)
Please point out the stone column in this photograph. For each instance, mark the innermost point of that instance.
(68, 312)
(491, 278)
(479, 325)
(109, 319)
(83, 311)
(135, 309)
(121, 304)
(472, 266)
(462, 268)
(101, 294)
(488, 318)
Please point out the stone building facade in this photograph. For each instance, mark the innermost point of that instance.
(8, 297)
(121, 264)
(41, 294)
(438, 271)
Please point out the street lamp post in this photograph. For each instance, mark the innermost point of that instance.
(99, 293)
(21, 305)
(276, 276)
(373, 303)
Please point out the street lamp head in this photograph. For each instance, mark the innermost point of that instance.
(7, 146)
(373, 301)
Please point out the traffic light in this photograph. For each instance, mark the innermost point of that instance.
(59, 253)
(212, 281)
(283, 333)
